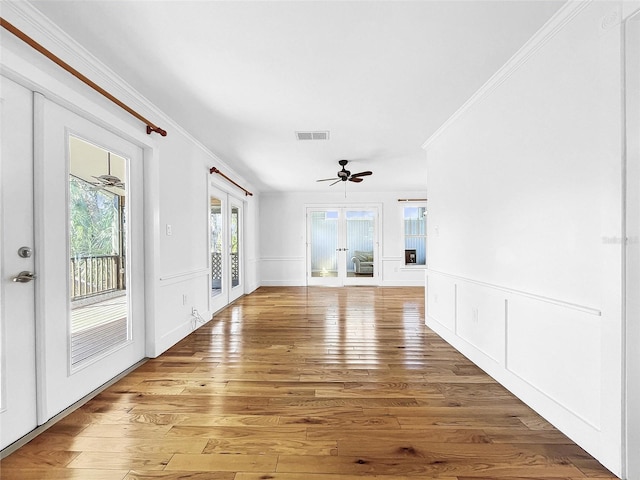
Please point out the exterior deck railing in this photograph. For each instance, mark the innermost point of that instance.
(216, 269)
(93, 275)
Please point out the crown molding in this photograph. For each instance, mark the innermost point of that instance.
(549, 30)
(34, 23)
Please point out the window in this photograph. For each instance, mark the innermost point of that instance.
(99, 302)
(415, 235)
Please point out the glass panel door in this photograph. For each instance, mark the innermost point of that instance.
(225, 220)
(323, 245)
(235, 250)
(217, 245)
(235, 244)
(361, 243)
(90, 255)
(342, 246)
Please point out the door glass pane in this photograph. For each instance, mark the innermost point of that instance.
(235, 246)
(97, 258)
(324, 243)
(216, 246)
(360, 229)
(415, 235)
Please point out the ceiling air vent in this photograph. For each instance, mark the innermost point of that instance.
(322, 135)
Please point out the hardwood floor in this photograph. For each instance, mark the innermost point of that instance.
(306, 384)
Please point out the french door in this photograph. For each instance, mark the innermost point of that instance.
(72, 314)
(90, 272)
(226, 248)
(18, 414)
(70, 255)
(342, 246)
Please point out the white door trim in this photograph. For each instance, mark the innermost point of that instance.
(631, 232)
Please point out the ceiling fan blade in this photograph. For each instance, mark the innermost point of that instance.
(362, 174)
(337, 181)
(328, 179)
(355, 179)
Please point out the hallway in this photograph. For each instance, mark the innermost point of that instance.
(293, 383)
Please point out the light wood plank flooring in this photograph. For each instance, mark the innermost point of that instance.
(306, 384)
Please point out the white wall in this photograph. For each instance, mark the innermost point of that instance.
(283, 234)
(525, 221)
(176, 175)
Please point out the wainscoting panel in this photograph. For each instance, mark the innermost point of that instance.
(396, 274)
(546, 351)
(543, 351)
(177, 296)
(283, 271)
(481, 318)
(441, 300)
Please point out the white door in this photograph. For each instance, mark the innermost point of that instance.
(226, 248)
(236, 249)
(342, 246)
(218, 220)
(17, 318)
(90, 294)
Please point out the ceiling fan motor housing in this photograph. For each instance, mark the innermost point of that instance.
(344, 175)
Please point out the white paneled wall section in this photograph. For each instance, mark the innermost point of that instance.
(525, 226)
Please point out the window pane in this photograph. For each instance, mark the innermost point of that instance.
(324, 242)
(97, 254)
(216, 246)
(360, 259)
(415, 235)
(235, 244)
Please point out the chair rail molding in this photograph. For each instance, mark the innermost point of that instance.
(562, 303)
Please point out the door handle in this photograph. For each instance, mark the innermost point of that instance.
(24, 277)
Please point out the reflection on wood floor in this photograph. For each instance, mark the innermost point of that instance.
(306, 384)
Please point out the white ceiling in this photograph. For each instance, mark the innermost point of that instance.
(242, 76)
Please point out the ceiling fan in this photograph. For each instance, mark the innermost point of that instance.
(108, 180)
(344, 175)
